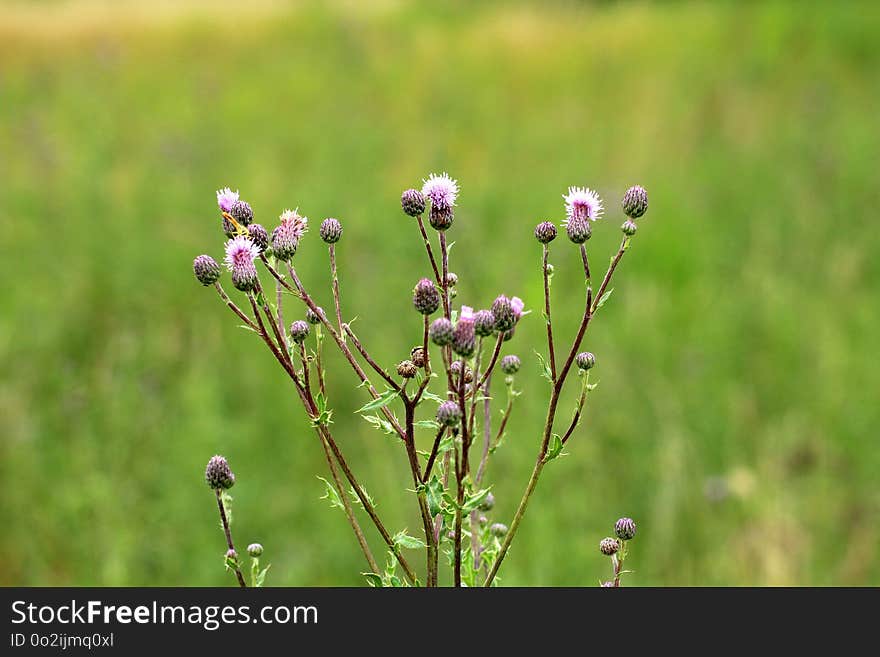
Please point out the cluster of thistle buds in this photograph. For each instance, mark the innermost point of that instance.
(467, 344)
(615, 547)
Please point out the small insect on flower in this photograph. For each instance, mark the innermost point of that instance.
(582, 203)
(240, 254)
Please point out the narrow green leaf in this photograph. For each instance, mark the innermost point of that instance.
(604, 298)
(473, 501)
(381, 401)
(555, 448)
(404, 540)
(427, 424)
(373, 580)
(434, 495)
(331, 495)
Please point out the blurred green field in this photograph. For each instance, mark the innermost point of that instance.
(737, 417)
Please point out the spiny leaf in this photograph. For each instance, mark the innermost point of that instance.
(554, 449)
(404, 540)
(473, 501)
(332, 495)
(545, 369)
(373, 580)
(380, 423)
(380, 402)
(434, 495)
(427, 424)
(427, 394)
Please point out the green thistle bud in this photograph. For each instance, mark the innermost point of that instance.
(609, 546)
(484, 323)
(448, 414)
(510, 364)
(579, 230)
(218, 473)
(585, 360)
(498, 529)
(255, 550)
(440, 331)
(259, 236)
(413, 202)
(330, 230)
(625, 528)
(488, 503)
(299, 331)
(231, 555)
(635, 202)
(314, 318)
(426, 297)
(206, 269)
(242, 212)
(451, 279)
(629, 228)
(545, 232)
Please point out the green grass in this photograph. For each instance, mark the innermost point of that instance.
(739, 346)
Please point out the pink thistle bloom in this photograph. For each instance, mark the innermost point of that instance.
(225, 198)
(442, 190)
(286, 236)
(582, 203)
(240, 255)
(517, 306)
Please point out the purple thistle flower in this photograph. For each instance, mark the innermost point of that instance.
(463, 338)
(226, 198)
(441, 190)
(517, 305)
(581, 204)
(240, 254)
(286, 236)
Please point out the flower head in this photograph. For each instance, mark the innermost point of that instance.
(441, 190)
(609, 546)
(255, 549)
(407, 369)
(440, 331)
(206, 269)
(625, 528)
(635, 202)
(449, 414)
(545, 232)
(259, 236)
(510, 364)
(582, 203)
(226, 198)
(299, 331)
(463, 336)
(498, 529)
(330, 230)
(413, 202)
(240, 254)
(517, 305)
(484, 323)
(218, 474)
(242, 212)
(426, 297)
(585, 360)
(288, 233)
(507, 312)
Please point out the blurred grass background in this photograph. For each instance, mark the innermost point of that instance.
(737, 420)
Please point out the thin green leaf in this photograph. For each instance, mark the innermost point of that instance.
(331, 495)
(604, 298)
(380, 402)
(404, 540)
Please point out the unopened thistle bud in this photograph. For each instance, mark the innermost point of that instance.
(629, 228)
(456, 369)
(440, 331)
(218, 474)
(498, 529)
(286, 236)
(417, 356)
(510, 364)
(255, 549)
(231, 555)
(441, 216)
(463, 336)
(426, 297)
(240, 255)
(503, 312)
(451, 279)
(585, 360)
(635, 202)
(314, 318)
(206, 269)
(488, 503)
(625, 528)
(578, 230)
(331, 230)
(407, 369)
(413, 202)
(484, 323)
(609, 546)
(545, 232)
(448, 414)
(299, 331)
(241, 211)
(508, 334)
(259, 236)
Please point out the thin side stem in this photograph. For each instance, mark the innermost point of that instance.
(433, 456)
(429, 249)
(372, 363)
(417, 480)
(335, 287)
(229, 543)
(234, 308)
(498, 342)
(550, 346)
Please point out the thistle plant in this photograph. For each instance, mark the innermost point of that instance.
(437, 400)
